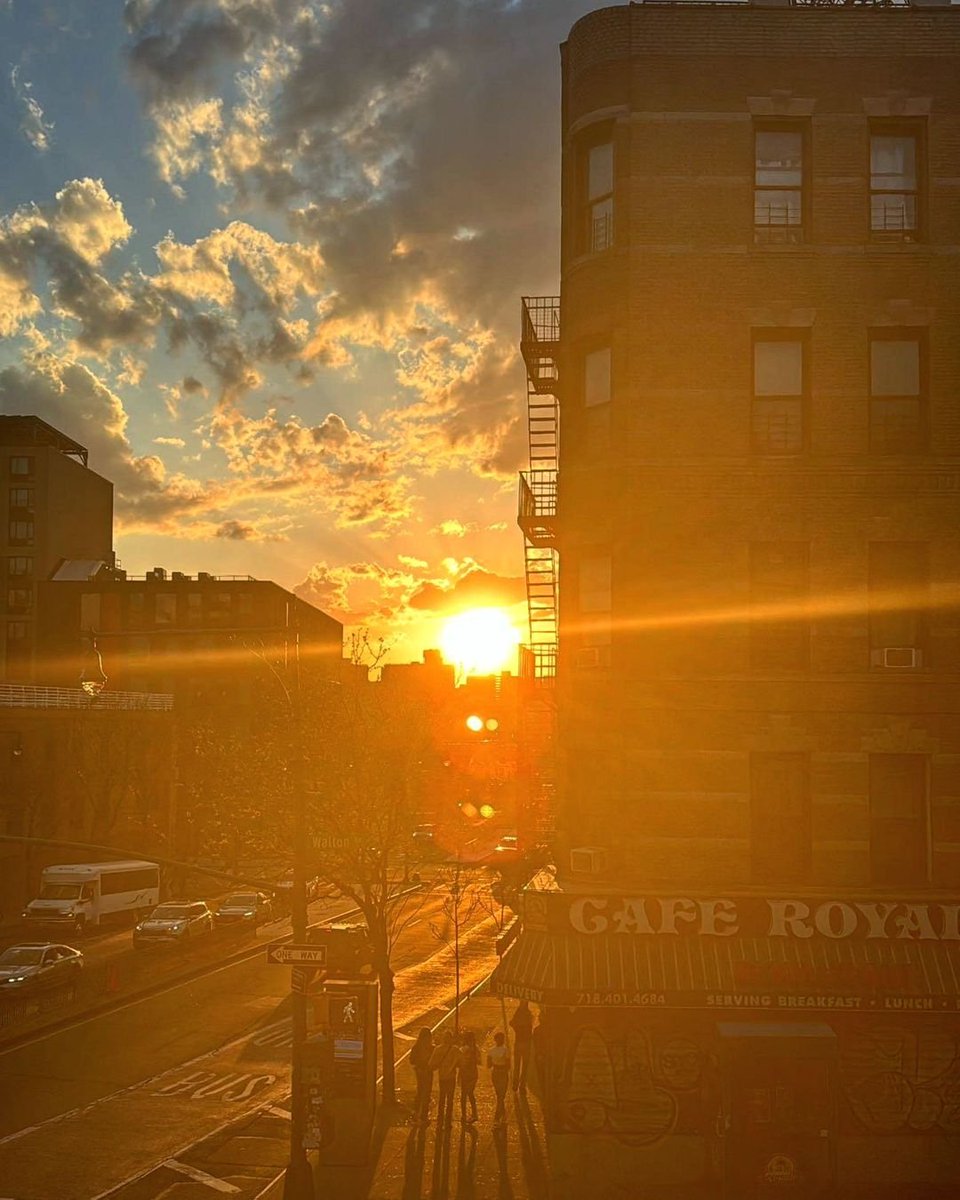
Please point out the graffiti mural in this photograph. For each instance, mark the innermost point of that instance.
(903, 1079)
(632, 1085)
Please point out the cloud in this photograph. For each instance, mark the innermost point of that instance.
(169, 441)
(33, 124)
(476, 588)
(453, 528)
(70, 397)
(413, 163)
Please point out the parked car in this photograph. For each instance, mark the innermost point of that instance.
(507, 846)
(422, 833)
(251, 907)
(36, 965)
(176, 922)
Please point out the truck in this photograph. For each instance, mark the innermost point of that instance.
(81, 896)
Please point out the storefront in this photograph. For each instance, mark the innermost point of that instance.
(746, 1046)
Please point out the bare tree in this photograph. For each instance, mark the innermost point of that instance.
(369, 762)
(463, 890)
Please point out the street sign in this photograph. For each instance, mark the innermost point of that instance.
(285, 955)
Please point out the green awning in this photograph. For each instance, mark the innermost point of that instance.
(732, 973)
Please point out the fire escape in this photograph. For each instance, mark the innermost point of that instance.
(537, 518)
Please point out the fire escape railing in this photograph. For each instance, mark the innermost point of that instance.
(537, 516)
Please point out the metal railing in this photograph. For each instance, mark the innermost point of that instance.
(540, 319)
(538, 494)
(538, 663)
(15, 695)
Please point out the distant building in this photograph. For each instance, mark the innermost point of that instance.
(52, 507)
(207, 639)
(469, 784)
(87, 769)
(748, 966)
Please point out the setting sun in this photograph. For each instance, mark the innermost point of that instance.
(480, 641)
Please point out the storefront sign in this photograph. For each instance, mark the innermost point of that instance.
(750, 916)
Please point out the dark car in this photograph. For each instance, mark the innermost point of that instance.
(249, 907)
(36, 965)
(174, 923)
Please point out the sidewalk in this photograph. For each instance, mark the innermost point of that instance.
(463, 1162)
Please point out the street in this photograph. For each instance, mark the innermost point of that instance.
(86, 1108)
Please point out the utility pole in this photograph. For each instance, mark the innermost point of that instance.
(298, 1181)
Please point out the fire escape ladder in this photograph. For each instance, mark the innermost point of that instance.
(537, 516)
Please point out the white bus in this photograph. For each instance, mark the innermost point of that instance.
(79, 896)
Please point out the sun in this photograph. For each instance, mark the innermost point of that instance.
(481, 641)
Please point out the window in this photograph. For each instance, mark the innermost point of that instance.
(136, 610)
(165, 608)
(19, 599)
(597, 191)
(194, 608)
(779, 388)
(780, 826)
(596, 377)
(219, 608)
(18, 647)
(899, 579)
(21, 533)
(19, 566)
(779, 585)
(21, 497)
(898, 819)
(90, 609)
(112, 883)
(21, 466)
(897, 393)
(595, 595)
(778, 199)
(894, 182)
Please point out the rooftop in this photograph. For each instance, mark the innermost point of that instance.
(31, 431)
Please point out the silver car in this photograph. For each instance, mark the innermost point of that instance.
(36, 965)
(174, 923)
(249, 907)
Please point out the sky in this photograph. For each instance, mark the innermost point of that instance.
(265, 258)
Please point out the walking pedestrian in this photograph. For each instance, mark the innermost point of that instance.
(445, 1060)
(522, 1025)
(469, 1073)
(498, 1060)
(420, 1057)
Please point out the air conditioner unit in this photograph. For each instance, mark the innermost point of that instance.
(179, 575)
(588, 860)
(157, 573)
(204, 577)
(588, 658)
(897, 658)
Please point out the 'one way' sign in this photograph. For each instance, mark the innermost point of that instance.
(285, 955)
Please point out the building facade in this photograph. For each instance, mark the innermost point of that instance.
(52, 507)
(749, 963)
(209, 640)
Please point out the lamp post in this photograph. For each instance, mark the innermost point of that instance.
(93, 678)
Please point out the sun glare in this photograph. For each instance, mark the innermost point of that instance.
(481, 641)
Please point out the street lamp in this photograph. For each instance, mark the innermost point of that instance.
(93, 678)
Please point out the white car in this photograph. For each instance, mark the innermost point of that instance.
(174, 923)
(36, 965)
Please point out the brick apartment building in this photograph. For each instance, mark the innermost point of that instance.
(207, 639)
(52, 507)
(748, 967)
